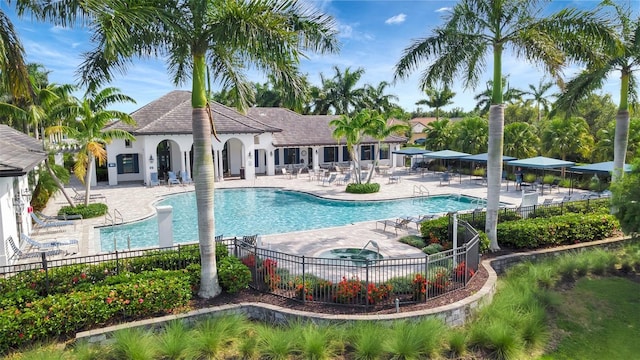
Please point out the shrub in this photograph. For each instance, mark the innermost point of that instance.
(413, 240)
(484, 242)
(432, 249)
(557, 230)
(363, 188)
(234, 275)
(221, 251)
(88, 211)
(436, 230)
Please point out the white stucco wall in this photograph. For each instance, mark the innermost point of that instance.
(8, 223)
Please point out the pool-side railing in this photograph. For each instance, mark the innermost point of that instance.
(360, 282)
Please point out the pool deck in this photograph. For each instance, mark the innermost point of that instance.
(135, 202)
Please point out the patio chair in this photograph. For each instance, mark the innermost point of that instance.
(218, 237)
(344, 179)
(40, 224)
(172, 178)
(329, 180)
(555, 184)
(153, 181)
(396, 224)
(420, 219)
(19, 254)
(445, 178)
(394, 179)
(286, 174)
(547, 202)
(566, 198)
(185, 178)
(44, 245)
(79, 196)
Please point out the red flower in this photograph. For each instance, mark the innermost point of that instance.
(21, 335)
(109, 300)
(83, 276)
(140, 300)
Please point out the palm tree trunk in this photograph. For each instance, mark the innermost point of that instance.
(57, 181)
(494, 172)
(87, 179)
(204, 182)
(620, 144)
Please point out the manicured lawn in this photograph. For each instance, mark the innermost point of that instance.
(600, 319)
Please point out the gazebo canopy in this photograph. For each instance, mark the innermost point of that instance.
(601, 167)
(485, 157)
(446, 154)
(411, 151)
(541, 162)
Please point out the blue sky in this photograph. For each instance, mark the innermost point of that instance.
(373, 35)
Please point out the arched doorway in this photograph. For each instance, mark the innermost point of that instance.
(232, 158)
(168, 155)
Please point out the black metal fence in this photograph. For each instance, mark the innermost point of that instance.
(356, 281)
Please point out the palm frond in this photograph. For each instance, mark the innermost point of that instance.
(581, 86)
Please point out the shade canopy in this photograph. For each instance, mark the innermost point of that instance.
(485, 157)
(446, 154)
(541, 162)
(411, 151)
(601, 167)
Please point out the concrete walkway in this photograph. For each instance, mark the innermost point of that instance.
(135, 202)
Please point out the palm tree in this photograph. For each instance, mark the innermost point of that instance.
(87, 119)
(380, 130)
(471, 135)
(224, 37)
(341, 91)
(374, 98)
(438, 135)
(605, 140)
(520, 140)
(626, 62)
(538, 96)
(14, 76)
(475, 29)
(483, 99)
(562, 136)
(352, 129)
(437, 99)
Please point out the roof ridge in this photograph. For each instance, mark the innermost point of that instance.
(173, 109)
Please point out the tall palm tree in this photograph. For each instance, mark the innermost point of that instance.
(342, 93)
(627, 62)
(352, 129)
(538, 96)
(14, 76)
(520, 140)
(605, 140)
(374, 98)
(380, 128)
(225, 37)
(475, 29)
(437, 99)
(87, 119)
(438, 135)
(483, 99)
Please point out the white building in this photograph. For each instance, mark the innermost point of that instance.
(257, 143)
(19, 154)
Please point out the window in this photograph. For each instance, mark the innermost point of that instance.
(366, 152)
(330, 154)
(256, 161)
(276, 155)
(345, 154)
(291, 156)
(127, 164)
(384, 152)
(127, 143)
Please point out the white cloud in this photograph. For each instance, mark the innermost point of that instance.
(57, 29)
(345, 31)
(398, 19)
(443, 9)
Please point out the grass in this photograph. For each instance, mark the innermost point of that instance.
(601, 318)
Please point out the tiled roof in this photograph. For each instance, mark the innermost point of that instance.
(20, 152)
(171, 114)
(303, 130)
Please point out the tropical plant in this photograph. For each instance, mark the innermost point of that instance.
(520, 140)
(626, 200)
(626, 61)
(374, 98)
(438, 135)
(567, 137)
(538, 96)
(340, 92)
(483, 99)
(380, 130)
(88, 119)
(470, 135)
(14, 77)
(475, 29)
(437, 98)
(224, 37)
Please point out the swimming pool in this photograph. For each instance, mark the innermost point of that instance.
(265, 211)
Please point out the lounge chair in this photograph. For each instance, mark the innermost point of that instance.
(547, 202)
(329, 180)
(446, 177)
(396, 224)
(420, 219)
(19, 254)
(250, 240)
(172, 178)
(50, 244)
(344, 179)
(153, 181)
(79, 196)
(41, 224)
(555, 184)
(286, 173)
(218, 237)
(394, 179)
(185, 178)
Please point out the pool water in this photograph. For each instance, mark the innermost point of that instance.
(356, 255)
(264, 211)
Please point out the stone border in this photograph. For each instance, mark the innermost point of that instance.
(454, 314)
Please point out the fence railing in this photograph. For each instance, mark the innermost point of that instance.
(357, 281)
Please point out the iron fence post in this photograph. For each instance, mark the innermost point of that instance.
(466, 263)
(46, 272)
(304, 283)
(366, 288)
(117, 264)
(426, 276)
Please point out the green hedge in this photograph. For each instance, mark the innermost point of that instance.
(363, 188)
(87, 212)
(159, 292)
(436, 229)
(557, 230)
